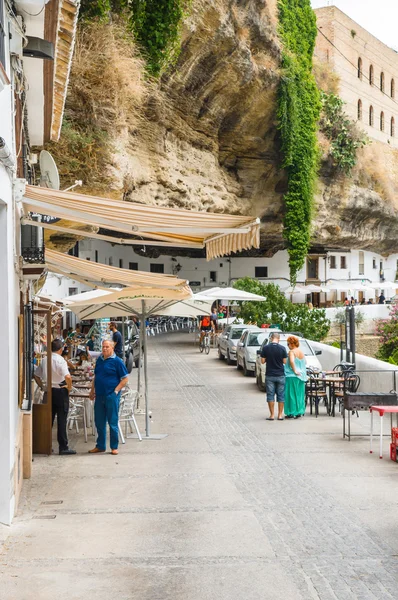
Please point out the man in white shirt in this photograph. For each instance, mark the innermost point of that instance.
(60, 388)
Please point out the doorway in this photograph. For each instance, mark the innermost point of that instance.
(312, 268)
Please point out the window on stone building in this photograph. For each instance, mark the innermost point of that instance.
(382, 81)
(361, 270)
(133, 266)
(359, 68)
(213, 276)
(381, 121)
(156, 268)
(343, 262)
(392, 88)
(392, 127)
(371, 75)
(371, 116)
(110, 261)
(374, 263)
(96, 256)
(260, 272)
(333, 262)
(359, 110)
(120, 263)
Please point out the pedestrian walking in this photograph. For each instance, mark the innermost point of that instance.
(117, 339)
(274, 356)
(110, 377)
(296, 376)
(60, 388)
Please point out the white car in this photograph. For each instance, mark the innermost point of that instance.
(246, 350)
(228, 340)
(305, 345)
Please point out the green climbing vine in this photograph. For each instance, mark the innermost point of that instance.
(344, 137)
(298, 113)
(156, 25)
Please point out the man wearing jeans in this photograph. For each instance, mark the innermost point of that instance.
(110, 376)
(274, 356)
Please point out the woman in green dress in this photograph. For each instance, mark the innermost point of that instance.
(296, 376)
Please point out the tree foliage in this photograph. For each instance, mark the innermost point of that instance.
(344, 136)
(387, 330)
(298, 113)
(277, 309)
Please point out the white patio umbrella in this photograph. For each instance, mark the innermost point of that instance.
(87, 296)
(230, 294)
(192, 307)
(141, 302)
(384, 285)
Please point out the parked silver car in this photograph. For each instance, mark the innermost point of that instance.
(246, 350)
(228, 340)
(305, 345)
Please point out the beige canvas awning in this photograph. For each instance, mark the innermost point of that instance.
(101, 276)
(220, 234)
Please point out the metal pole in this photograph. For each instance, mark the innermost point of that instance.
(352, 334)
(140, 342)
(123, 334)
(147, 427)
(347, 337)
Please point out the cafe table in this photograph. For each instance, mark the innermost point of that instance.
(381, 410)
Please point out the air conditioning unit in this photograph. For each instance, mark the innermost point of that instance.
(39, 48)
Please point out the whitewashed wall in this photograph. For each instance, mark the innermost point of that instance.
(9, 302)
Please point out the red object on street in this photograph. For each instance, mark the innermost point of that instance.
(394, 435)
(393, 452)
(381, 410)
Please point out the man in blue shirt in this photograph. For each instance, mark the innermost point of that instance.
(117, 339)
(110, 376)
(274, 356)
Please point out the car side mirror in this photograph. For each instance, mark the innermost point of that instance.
(318, 352)
(240, 344)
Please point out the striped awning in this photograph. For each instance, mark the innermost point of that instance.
(220, 234)
(103, 276)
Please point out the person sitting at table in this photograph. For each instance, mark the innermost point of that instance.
(296, 376)
(90, 344)
(110, 377)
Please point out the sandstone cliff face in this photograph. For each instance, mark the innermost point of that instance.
(207, 138)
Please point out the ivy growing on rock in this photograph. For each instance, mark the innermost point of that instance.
(298, 113)
(157, 26)
(342, 133)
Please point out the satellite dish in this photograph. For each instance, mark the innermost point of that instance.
(49, 176)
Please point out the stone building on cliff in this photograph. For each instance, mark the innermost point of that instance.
(367, 70)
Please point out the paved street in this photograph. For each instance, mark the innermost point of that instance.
(227, 507)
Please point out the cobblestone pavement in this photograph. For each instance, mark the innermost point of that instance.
(228, 506)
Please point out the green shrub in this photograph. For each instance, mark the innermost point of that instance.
(313, 324)
(344, 136)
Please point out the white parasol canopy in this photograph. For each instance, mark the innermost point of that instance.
(230, 294)
(188, 308)
(141, 302)
(87, 296)
(353, 286)
(384, 285)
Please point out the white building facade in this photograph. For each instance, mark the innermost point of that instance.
(354, 265)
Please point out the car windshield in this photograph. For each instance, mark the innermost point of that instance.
(236, 333)
(256, 339)
(304, 346)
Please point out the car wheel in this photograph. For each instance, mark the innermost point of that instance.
(238, 365)
(129, 363)
(260, 384)
(220, 355)
(229, 361)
